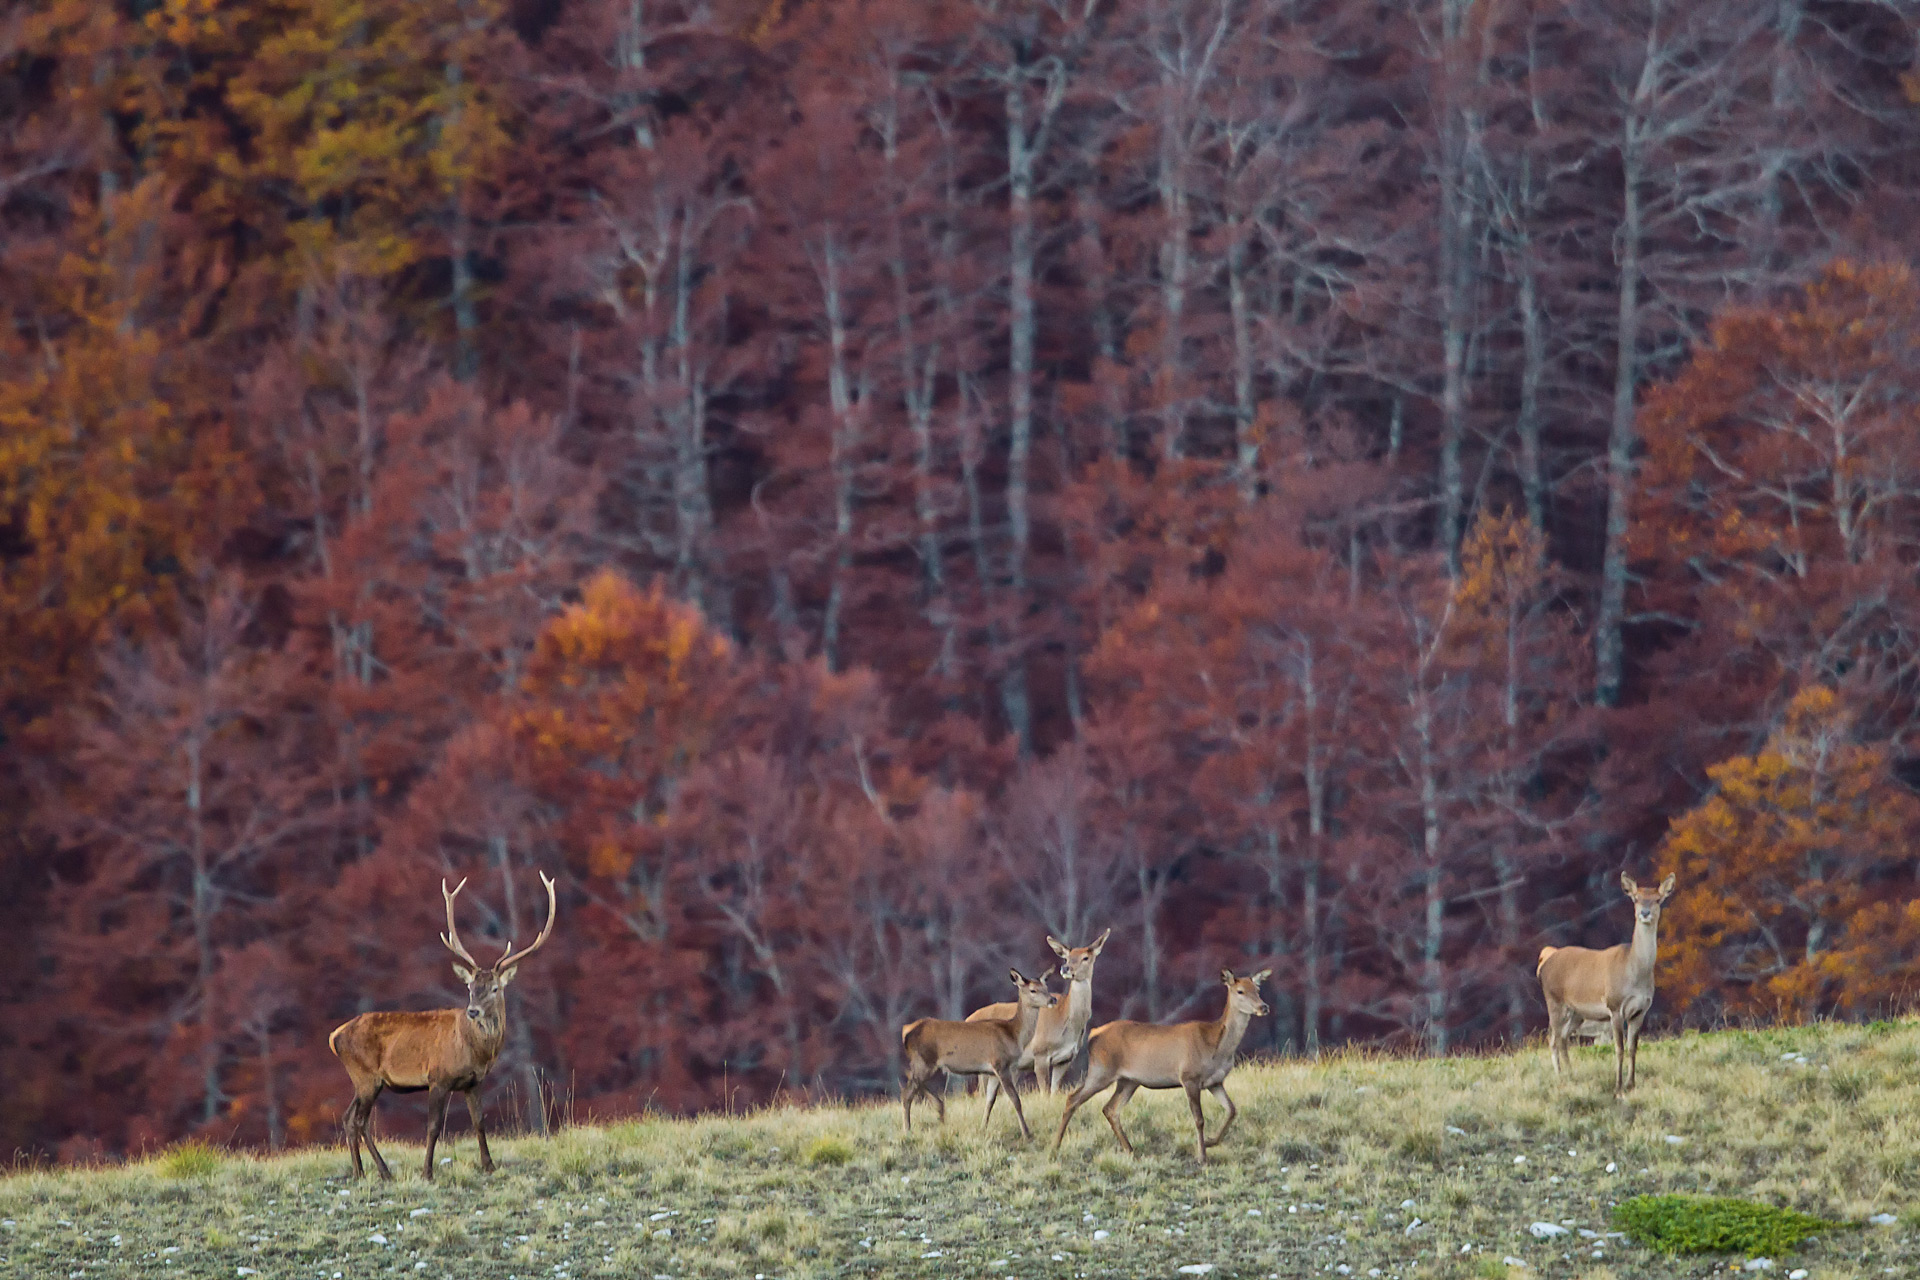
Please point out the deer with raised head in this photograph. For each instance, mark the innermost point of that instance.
(1612, 987)
(1058, 1032)
(444, 1051)
(986, 1048)
(1195, 1056)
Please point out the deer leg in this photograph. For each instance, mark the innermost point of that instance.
(1199, 1119)
(479, 1130)
(1633, 1049)
(1219, 1093)
(1556, 1016)
(1619, 1054)
(352, 1123)
(436, 1120)
(1013, 1096)
(366, 1134)
(909, 1087)
(939, 1095)
(992, 1085)
(1112, 1112)
(1088, 1087)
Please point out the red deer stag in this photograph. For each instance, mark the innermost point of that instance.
(1613, 987)
(443, 1051)
(1194, 1056)
(972, 1049)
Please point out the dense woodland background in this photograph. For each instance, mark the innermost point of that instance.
(852, 486)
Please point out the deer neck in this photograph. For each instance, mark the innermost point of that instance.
(1228, 1030)
(1641, 954)
(485, 1036)
(1080, 1002)
(1023, 1019)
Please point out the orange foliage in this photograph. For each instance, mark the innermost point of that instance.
(622, 696)
(1791, 875)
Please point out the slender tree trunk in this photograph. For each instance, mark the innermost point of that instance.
(270, 1086)
(1246, 446)
(1456, 280)
(203, 911)
(844, 445)
(1608, 642)
(1020, 348)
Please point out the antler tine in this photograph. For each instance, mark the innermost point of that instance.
(512, 958)
(452, 936)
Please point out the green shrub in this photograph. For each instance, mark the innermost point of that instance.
(829, 1151)
(188, 1160)
(1715, 1224)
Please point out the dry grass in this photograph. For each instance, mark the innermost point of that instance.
(1316, 1176)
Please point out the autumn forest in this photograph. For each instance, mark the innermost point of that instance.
(852, 487)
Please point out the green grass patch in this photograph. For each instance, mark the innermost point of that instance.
(1677, 1224)
(829, 1151)
(188, 1160)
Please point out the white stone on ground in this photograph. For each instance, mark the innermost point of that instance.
(1545, 1230)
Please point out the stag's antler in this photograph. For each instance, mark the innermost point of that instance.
(511, 959)
(452, 936)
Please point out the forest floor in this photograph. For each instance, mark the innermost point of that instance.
(1358, 1166)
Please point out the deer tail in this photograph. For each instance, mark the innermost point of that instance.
(1544, 953)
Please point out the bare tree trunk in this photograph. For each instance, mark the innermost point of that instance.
(1020, 346)
(1246, 446)
(845, 443)
(1608, 643)
(1456, 274)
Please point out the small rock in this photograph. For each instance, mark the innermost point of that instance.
(1545, 1230)
(1759, 1264)
(1674, 1139)
(935, 1253)
(1587, 1234)
(1456, 1132)
(1406, 1204)
(664, 1233)
(377, 1238)
(1798, 1273)
(1196, 1268)
(1343, 1270)
(1519, 1159)
(246, 1271)
(1253, 1213)
(1611, 1166)
(1883, 1219)
(1512, 1261)
(419, 1213)
(1101, 1235)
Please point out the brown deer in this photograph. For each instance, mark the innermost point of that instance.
(1195, 1056)
(1058, 1032)
(443, 1051)
(972, 1049)
(1612, 987)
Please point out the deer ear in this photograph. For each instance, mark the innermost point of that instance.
(1261, 976)
(1100, 941)
(1015, 975)
(1059, 948)
(1666, 888)
(508, 975)
(1226, 976)
(1626, 882)
(463, 973)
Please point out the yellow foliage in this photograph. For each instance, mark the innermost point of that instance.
(1780, 869)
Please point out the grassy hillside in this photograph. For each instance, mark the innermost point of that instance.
(1326, 1173)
